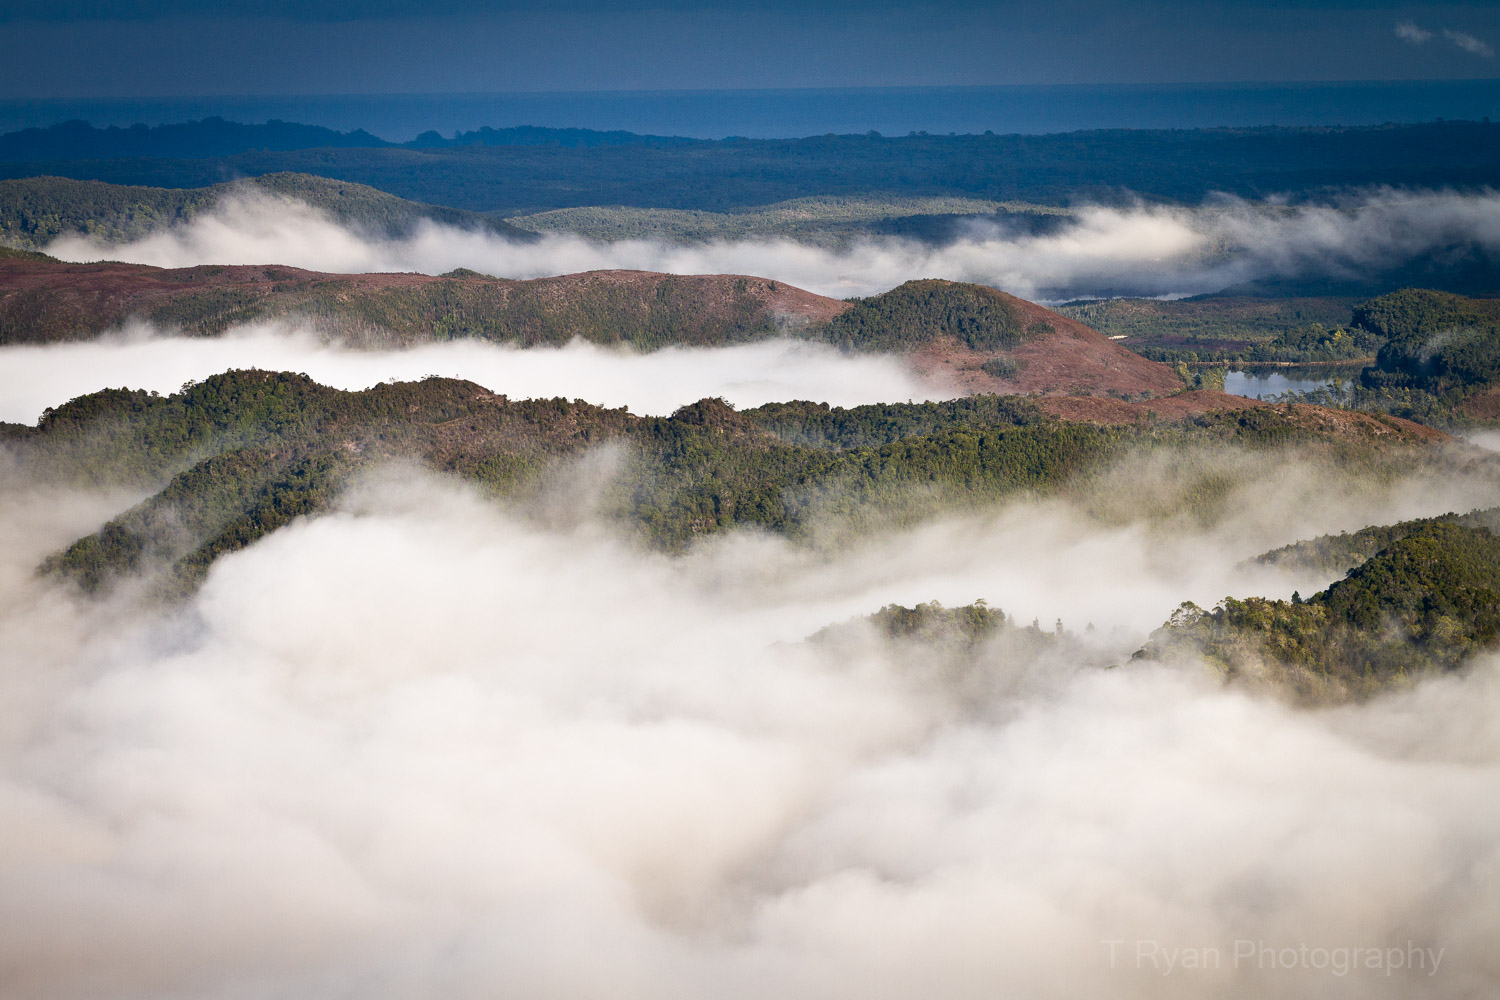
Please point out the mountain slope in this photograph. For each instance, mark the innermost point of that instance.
(36, 210)
(980, 339)
(238, 455)
(43, 300)
(1427, 601)
(965, 337)
(1346, 550)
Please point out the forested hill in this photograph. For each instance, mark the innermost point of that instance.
(36, 210)
(44, 300)
(985, 340)
(1426, 601)
(1346, 550)
(238, 455)
(500, 173)
(1440, 350)
(963, 336)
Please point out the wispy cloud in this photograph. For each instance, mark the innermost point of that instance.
(1469, 43)
(1410, 31)
(1407, 31)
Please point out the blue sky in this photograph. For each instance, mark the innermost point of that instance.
(83, 48)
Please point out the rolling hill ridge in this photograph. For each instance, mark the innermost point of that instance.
(968, 338)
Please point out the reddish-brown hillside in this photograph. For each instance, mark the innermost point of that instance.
(978, 339)
(43, 300)
(968, 338)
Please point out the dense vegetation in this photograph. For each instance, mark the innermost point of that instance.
(1434, 341)
(822, 426)
(967, 656)
(672, 311)
(1426, 601)
(1186, 165)
(36, 210)
(1309, 345)
(251, 449)
(832, 221)
(1337, 554)
(1439, 362)
(954, 633)
(240, 454)
(1436, 354)
(919, 312)
(56, 302)
(1231, 328)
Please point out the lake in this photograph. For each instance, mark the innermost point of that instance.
(1259, 383)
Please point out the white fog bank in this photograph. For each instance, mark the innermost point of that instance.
(1145, 250)
(420, 747)
(33, 378)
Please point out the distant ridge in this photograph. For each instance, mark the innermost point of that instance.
(78, 140)
(36, 210)
(1028, 109)
(524, 170)
(532, 135)
(214, 137)
(960, 336)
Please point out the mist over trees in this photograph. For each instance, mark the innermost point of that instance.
(422, 687)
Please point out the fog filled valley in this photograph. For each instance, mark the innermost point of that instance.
(34, 378)
(478, 737)
(481, 729)
(1087, 251)
(746, 600)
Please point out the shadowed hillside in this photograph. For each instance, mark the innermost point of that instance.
(36, 210)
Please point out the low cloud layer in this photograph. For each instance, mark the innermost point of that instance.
(421, 746)
(33, 378)
(427, 745)
(1153, 251)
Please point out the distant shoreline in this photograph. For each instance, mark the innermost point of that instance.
(765, 114)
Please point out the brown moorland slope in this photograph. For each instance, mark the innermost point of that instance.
(960, 337)
(44, 300)
(1066, 357)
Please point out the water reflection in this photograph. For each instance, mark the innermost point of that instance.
(1257, 383)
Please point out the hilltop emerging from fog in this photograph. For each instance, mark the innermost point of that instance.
(968, 336)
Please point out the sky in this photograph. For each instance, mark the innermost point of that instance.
(92, 48)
